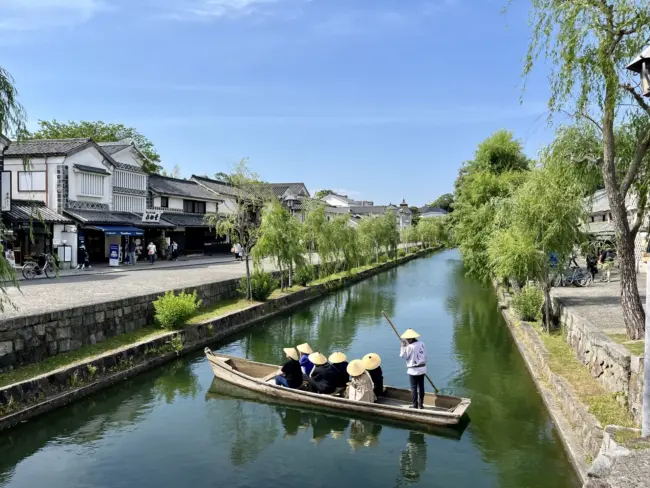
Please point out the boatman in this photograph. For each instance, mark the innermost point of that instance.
(415, 354)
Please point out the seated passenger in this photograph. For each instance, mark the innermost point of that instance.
(290, 374)
(360, 383)
(371, 362)
(305, 363)
(322, 378)
(339, 364)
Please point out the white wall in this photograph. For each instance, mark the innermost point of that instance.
(48, 165)
(210, 207)
(88, 157)
(335, 201)
(128, 156)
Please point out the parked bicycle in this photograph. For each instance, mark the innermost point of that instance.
(578, 277)
(43, 265)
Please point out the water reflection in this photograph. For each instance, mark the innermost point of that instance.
(413, 461)
(364, 434)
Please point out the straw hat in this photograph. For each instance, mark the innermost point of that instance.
(337, 357)
(304, 348)
(410, 334)
(356, 368)
(317, 358)
(291, 353)
(371, 361)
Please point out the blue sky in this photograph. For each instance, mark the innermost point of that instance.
(381, 99)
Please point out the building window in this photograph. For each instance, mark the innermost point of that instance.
(128, 203)
(90, 185)
(164, 202)
(592, 218)
(134, 181)
(31, 181)
(604, 218)
(192, 206)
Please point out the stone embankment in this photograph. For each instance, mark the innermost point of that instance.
(21, 401)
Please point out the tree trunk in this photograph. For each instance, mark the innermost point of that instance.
(249, 292)
(547, 306)
(645, 419)
(281, 277)
(633, 314)
(290, 276)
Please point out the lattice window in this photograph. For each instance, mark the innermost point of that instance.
(128, 203)
(125, 179)
(91, 185)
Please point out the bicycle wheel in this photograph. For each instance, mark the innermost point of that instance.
(580, 280)
(49, 271)
(29, 271)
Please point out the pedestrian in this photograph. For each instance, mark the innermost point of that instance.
(592, 262)
(238, 251)
(606, 262)
(82, 258)
(132, 258)
(174, 251)
(151, 250)
(415, 353)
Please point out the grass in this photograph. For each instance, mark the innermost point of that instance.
(69, 358)
(222, 307)
(602, 404)
(635, 347)
(287, 291)
(342, 274)
(631, 439)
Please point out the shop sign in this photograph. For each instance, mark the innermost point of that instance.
(114, 255)
(151, 216)
(5, 190)
(70, 228)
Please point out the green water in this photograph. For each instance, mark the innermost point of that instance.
(176, 427)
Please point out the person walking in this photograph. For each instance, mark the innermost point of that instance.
(415, 354)
(131, 250)
(151, 250)
(82, 258)
(174, 251)
(238, 251)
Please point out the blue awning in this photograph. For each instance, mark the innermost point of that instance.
(118, 230)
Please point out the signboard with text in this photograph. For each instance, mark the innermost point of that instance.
(5, 191)
(152, 216)
(114, 255)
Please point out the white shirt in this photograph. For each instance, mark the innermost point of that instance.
(151, 248)
(238, 248)
(416, 357)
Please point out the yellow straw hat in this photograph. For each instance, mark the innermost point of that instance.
(317, 358)
(356, 368)
(410, 334)
(337, 357)
(291, 353)
(371, 361)
(304, 348)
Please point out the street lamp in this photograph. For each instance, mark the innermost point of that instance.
(641, 65)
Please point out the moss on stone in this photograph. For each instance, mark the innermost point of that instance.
(635, 347)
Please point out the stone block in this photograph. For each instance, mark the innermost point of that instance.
(19, 344)
(9, 335)
(76, 321)
(110, 314)
(64, 333)
(89, 319)
(52, 348)
(92, 339)
(75, 344)
(26, 333)
(39, 329)
(6, 347)
(127, 310)
(100, 316)
(64, 345)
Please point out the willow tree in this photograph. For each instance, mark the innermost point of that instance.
(242, 223)
(588, 45)
(12, 125)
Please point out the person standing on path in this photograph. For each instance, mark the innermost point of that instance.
(174, 251)
(151, 250)
(415, 354)
(132, 258)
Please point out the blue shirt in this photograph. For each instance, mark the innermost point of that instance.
(306, 364)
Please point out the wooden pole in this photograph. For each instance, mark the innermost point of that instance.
(398, 336)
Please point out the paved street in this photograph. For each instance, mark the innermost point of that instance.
(41, 296)
(599, 303)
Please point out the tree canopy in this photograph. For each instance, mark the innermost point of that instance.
(444, 202)
(323, 193)
(12, 113)
(100, 132)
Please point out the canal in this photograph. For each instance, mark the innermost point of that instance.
(176, 427)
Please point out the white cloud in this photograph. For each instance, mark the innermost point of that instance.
(210, 10)
(31, 15)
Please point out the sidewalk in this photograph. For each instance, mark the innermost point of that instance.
(104, 268)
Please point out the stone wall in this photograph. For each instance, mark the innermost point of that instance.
(611, 363)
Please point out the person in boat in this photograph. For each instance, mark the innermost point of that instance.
(305, 363)
(291, 373)
(415, 354)
(340, 364)
(322, 378)
(372, 363)
(361, 386)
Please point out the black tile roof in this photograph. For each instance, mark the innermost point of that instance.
(427, 209)
(184, 220)
(26, 211)
(113, 147)
(97, 217)
(217, 186)
(90, 169)
(163, 185)
(46, 147)
(280, 189)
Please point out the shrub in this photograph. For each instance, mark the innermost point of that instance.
(383, 258)
(401, 253)
(528, 303)
(262, 285)
(173, 311)
(303, 275)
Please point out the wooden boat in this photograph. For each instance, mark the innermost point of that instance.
(259, 377)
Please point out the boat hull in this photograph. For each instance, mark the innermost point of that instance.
(439, 409)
